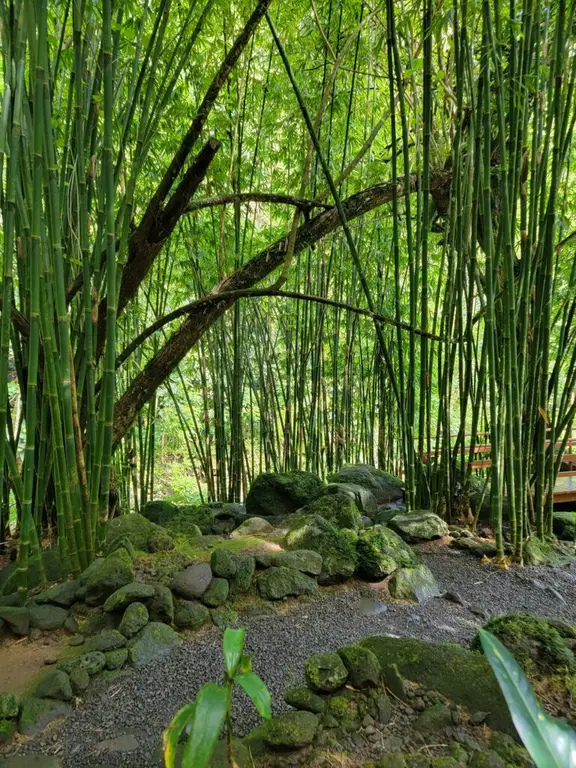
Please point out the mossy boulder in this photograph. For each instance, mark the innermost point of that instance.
(159, 511)
(200, 515)
(433, 719)
(193, 581)
(305, 560)
(465, 677)
(279, 582)
(108, 640)
(154, 641)
(189, 614)
(217, 593)
(384, 486)
(7, 730)
(79, 680)
(105, 575)
(134, 619)
(381, 552)
(116, 658)
(223, 563)
(564, 524)
(46, 617)
(325, 672)
(281, 493)
(9, 705)
(160, 541)
(291, 730)
(362, 497)
(416, 584)
(37, 713)
(337, 547)
(63, 595)
(538, 646)
(54, 684)
(252, 526)
(339, 508)
(243, 574)
(18, 619)
(93, 662)
(134, 527)
(161, 606)
(421, 525)
(305, 699)
(363, 667)
(129, 593)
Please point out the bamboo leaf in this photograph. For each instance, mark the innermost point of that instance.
(210, 711)
(550, 742)
(259, 694)
(233, 646)
(174, 731)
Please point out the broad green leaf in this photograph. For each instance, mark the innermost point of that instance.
(245, 664)
(258, 692)
(233, 646)
(173, 733)
(209, 715)
(550, 742)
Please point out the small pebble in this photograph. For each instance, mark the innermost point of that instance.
(419, 704)
(368, 720)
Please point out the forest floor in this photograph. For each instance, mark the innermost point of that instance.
(120, 722)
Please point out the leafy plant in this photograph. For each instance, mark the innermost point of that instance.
(550, 742)
(203, 719)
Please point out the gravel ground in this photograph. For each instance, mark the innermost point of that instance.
(138, 706)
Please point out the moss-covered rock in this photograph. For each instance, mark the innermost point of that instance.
(421, 525)
(154, 641)
(465, 677)
(93, 662)
(183, 524)
(54, 684)
(487, 759)
(134, 527)
(135, 617)
(223, 563)
(189, 614)
(79, 680)
(279, 582)
(534, 642)
(108, 640)
(381, 552)
(160, 541)
(105, 575)
(325, 672)
(47, 617)
(37, 713)
(116, 658)
(509, 750)
(363, 667)
(7, 729)
(337, 548)
(8, 705)
(393, 760)
(303, 698)
(345, 710)
(291, 730)
(339, 508)
(225, 616)
(161, 606)
(130, 593)
(200, 516)
(416, 584)
(384, 486)
(281, 493)
(18, 619)
(243, 574)
(62, 595)
(304, 560)
(564, 524)
(217, 593)
(252, 526)
(433, 719)
(159, 511)
(362, 497)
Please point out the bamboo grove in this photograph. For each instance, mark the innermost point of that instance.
(260, 235)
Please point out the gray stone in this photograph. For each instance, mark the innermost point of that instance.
(92, 662)
(433, 719)
(79, 680)
(105, 575)
(108, 640)
(126, 742)
(60, 594)
(325, 672)
(188, 614)
(18, 619)
(421, 525)
(117, 658)
(363, 667)
(279, 582)
(193, 581)
(161, 606)
(416, 584)
(304, 560)
(154, 641)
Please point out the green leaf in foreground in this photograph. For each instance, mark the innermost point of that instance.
(233, 647)
(211, 707)
(258, 692)
(174, 731)
(550, 742)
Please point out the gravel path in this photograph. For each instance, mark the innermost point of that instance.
(138, 706)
